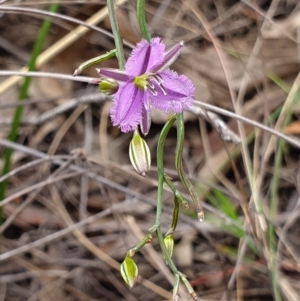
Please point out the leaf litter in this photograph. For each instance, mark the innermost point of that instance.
(72, 265)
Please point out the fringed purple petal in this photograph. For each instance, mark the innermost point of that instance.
(146, 121)
(116, 74)
(179, 92)
(127, 106)
(146, 56)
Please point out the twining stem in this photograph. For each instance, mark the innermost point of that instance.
(12, 136)
(176, 193)
(172, 265)
(140, 12)
(161, 175)
(178, 163)
(116, 33)
(160, 170)
(160, 166)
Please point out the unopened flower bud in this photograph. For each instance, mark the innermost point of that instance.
(129, 271)
(108, 86)
(169, 243)
(139, 154)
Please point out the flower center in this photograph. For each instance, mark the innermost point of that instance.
(146, 81)
(141, 81)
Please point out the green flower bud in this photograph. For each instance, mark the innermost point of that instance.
(139, 154)
(169, 243)
(129, 271)
(108, 86)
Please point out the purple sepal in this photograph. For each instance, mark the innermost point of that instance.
(115, 74)
(146, 121)
(170, 56)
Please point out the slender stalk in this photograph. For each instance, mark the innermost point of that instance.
(116, 33)
(165, 252)
(160, 166)
(12, 136)
(83, 79)
(273, 265)
(207, 106)
(176, 287)
(178, 163)
(177, 194)
(274, 187)
(156, 226)
(140, 13)
(147, 238)
(160, 170)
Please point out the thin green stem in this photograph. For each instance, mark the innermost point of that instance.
(172, 266)
(176, 287)
(12, 136)
(178, 163)
(140, 13)
(116, 33)
(273, 211)
(147, 239)
(176, 193)
(160, 166)
(274, 187)
(165, 252)
(161, 175)
(161, 178)
(160, 170)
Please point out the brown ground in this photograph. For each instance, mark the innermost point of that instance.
(90, 181)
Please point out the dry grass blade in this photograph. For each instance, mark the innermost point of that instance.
(62, 44)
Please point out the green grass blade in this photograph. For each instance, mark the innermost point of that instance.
(140, 12)
(224, 205)
(274, 189)
(116, 33)
(41, 36)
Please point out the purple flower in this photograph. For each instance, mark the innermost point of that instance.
(147, 82)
